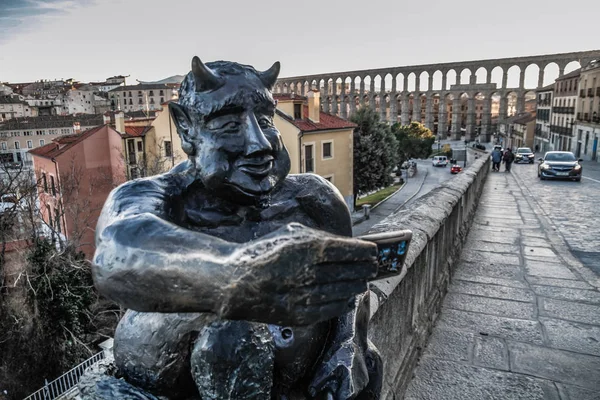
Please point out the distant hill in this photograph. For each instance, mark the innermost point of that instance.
(171, 79)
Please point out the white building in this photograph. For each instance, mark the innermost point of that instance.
(541, 141)
(563, 111)
(587, 127)
(14, 106)
(143, 96)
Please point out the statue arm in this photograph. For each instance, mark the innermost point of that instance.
(147, 263)
(293, 276)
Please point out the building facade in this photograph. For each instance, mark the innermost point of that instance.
(563, 111)
(587, 127)
(544, 104)
(142, 97)
(76, 174)
(318, 142)
(19, 135)
(14, 106)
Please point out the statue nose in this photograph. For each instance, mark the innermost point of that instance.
(256, 141)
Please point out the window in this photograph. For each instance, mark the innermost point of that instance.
(140, 93)
(45, 182)
(17, 145)
(57, 216)
(129, 94)
(327, 150)
(161, 93)
(130, 102)
(3, 145)
(29, 144)
(42, 142)
(151, 93)
(297, 111)
(50, 220)
(140, 101)
(19, 157)
(162, 100)
(52, 186)
(140, 146)
(168, 149)
(309, 160)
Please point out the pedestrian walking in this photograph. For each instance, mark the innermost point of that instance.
(509, 157)
(496, 159)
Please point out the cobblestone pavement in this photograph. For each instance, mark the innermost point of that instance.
(570, 207)
(521, 319)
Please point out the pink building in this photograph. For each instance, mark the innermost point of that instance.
(75, 175)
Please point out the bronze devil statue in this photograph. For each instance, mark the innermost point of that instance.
(241, 281)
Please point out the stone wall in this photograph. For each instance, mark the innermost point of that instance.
(404, 308)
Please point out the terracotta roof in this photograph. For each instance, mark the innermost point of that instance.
(326, 121)
(136, 131)
(63, 143)
(51, 121)
(145, 86)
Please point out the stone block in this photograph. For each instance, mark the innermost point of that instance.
(448, 344)
(447, 380)
(495, 291)
(556, 365)
(569, 294)
(491, 352)
(549, 270)
(566, 283)
(489, 246)
(486, 305)
(570, 311)
(484, 269)
(491, 325)
(515, 283)
(573, 336)
(472, 255)
(539, 252)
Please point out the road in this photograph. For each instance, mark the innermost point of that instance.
(427, 179)
(569, 207)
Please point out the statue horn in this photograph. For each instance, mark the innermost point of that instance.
(205, 78)
(269, 77)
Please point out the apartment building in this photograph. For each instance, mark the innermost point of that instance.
(19, 135)
(563, 111)
(142, 97)
(587, 126)
(544, 103)
(317, 142)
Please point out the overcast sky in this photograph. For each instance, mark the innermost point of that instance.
(90, 40)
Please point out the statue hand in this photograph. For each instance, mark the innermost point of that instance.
(298, 276)
(343, 374)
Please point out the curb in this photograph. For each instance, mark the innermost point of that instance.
(362, 219)
(414, 194)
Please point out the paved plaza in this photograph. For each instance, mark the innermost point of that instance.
(521, 319)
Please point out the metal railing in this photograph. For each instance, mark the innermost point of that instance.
(66, 382)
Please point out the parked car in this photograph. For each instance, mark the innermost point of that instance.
(439, 161)
(479, 146)
(524, 154)
(455, 169)
(560, 165)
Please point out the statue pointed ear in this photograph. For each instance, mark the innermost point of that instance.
(183, 125)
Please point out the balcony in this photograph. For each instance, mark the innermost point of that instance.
(561, 130)
(563, 110)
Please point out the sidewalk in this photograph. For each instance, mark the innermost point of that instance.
(521, 319)
(386, 208)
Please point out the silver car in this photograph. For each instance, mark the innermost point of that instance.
(560, 165)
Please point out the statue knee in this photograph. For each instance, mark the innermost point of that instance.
(234, 360)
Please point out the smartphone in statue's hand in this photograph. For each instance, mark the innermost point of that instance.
(392, 248)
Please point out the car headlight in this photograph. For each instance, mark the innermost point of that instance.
(577, 168)
(545, 166)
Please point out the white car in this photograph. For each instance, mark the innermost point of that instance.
(439, 161)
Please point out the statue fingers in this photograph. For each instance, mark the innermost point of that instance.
(346, 271)
(329, 292)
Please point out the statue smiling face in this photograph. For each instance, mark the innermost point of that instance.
(224, 117)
